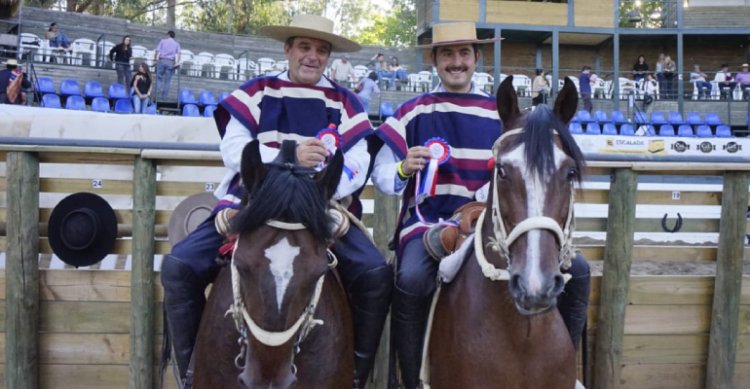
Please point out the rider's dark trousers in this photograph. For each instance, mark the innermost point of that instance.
(192, 266)
(415, 284)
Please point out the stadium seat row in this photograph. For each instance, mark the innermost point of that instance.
(684, 130)
(98, 104)
(655, 118)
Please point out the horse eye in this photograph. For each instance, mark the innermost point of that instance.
(572, 173)
(501, 172)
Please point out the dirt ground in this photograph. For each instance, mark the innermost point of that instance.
(670, 268)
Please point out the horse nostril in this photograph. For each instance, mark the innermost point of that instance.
(516, 285)
(559, 284)
(243, 381)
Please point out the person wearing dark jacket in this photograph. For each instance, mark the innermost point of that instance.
(7, 77)
(120, 55)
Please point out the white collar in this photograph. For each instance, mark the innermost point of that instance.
(324, 82)
(474, 90)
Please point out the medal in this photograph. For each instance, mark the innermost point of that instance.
(440, 153)
(330, 137)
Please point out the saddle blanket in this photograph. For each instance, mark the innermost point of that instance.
(450, 265)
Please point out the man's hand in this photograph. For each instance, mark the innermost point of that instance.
(311, 152)
(416, 159)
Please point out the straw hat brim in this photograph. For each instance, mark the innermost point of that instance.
(460, 42)
(338, 43)
(189, 213)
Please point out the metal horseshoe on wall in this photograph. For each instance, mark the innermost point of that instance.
(677, 224)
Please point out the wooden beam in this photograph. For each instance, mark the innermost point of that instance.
(22, 272)
(615, 279)
(142, 292)
(728, 286)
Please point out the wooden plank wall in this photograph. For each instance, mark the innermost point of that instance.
(519, 12)
(594, 13)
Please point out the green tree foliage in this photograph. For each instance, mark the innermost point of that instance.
(397, 28)
(647, 13)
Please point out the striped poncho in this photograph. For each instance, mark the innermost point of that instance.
(469, 123)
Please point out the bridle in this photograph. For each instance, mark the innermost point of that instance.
(501, 240)
(244, 323)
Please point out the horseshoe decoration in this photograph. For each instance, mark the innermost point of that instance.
(677, 224)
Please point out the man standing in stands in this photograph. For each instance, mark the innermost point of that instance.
(584, 83)
(13, 83)
(342, 71)
(167, 58)
(302, 104)
(743, 80)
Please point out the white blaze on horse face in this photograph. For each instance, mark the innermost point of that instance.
(536, 192)
(281, 255)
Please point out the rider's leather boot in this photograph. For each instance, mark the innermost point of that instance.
(184, 300)
(574, 300)
(370, 297)
(408, 320)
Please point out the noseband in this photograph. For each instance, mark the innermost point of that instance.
(244, 323)
(501, 240)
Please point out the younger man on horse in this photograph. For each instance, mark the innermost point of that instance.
(437, 148)
(303, 105)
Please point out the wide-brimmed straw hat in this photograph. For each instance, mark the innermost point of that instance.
(188, 214)
(458, 33)
(312, 26)
(11, 62)
(744, 65)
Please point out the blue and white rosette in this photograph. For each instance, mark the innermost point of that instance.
(332, 141)
(440, 152)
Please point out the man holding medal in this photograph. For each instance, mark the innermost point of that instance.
(449, 131)
(303, 105)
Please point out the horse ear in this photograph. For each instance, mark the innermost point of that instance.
(328, 179)
(507, 101)
(566, 103)
(252, 169)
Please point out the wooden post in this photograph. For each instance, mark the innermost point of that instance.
(615, 279)
(722, 345)
(142, 275)
(386, 216)
(22, 272)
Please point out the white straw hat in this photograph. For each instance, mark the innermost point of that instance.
(312, 26)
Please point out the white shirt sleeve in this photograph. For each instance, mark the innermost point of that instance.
(356, 163)
(234, 141)
(385, 173)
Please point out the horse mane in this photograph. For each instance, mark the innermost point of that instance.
(538, 142)
(290, 194)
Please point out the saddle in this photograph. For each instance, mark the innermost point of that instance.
(441, 240)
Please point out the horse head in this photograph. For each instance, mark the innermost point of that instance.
(537, 163)
(280, 261)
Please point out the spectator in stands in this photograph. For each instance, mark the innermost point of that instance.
(660, 71)
(670, 68)
(743, 80)
(167, 58)
(366, 87)
(342, 71)
(726, 82)
(295, 104)
(698, 78)
(640, 68)
(395, 73)
(141, 88)
(539, 88)
(650, 89)
(13, 83)
(584, 84)
(120, 55)
(57, 40)
(378, 63)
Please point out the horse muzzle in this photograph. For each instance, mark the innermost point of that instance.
(285, 381)
(535, 299)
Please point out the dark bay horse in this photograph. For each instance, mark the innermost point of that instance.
(496, 324)
(277, 317)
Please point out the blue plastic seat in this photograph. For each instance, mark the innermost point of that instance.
(609, 129)
(51, 100)
(70, 88)
(208, 111)
(223, 95)
(600, 116)
(118, 91)
(618, 117)
(685, 130)
(640, 118)
(100, 104)
(723, 131)
(584, 117)
(76, 103)
(593, 129)
(675, 119)
(658, 118)
(190, 110)
(666, 130)
(386, 110)
(187, 97)
(93, 89)
(694, 119)
(712, 119)
(704, 131)
(123, 106)
(45, 85)
(627, 130)
(207, 98)
(575, 128)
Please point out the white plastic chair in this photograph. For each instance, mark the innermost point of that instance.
(140, 54)
(82, 47)
(33, 45)
(424, 80)
(225, 62)
(247, 68)
(361, 71)
(204, 64)
(627, 86)
(265, 65)
(187, 62)
(412, 81)
(482, 80)
(103, 48)
(522, 84)
(599, 88)
(281, 65)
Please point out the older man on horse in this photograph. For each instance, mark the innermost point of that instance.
(437, 148)
(303, 105)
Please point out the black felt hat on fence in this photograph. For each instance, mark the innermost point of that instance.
(82, 229)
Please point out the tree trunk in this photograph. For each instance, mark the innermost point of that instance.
(171, 13)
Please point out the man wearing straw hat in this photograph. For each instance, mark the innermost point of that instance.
(450, 129)
(300, 104)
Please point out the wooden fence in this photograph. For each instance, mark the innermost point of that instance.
(94, 328)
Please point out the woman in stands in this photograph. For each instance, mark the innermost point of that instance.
(141, 88)
(539, 88)
(57, 40)
(640, 68)
(120, 55)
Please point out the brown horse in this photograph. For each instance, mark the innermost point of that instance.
(496, 324)
(277, 316)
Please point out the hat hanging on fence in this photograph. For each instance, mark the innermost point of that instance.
(82, 229)
(189, 214)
